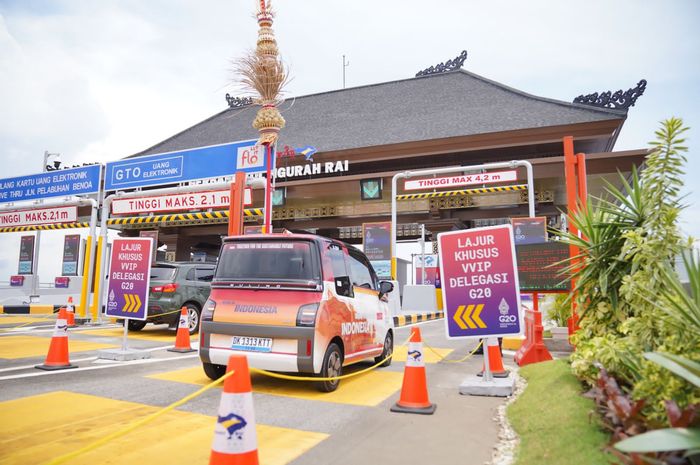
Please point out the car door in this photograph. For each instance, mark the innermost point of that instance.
(368, 307)
(203, 276)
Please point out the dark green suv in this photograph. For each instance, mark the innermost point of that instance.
(173, 286)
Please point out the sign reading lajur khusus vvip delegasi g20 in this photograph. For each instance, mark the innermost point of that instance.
(129, 278)
(186, 165)
(61, 183)
(480, 288)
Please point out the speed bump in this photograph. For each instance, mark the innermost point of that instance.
(34, 346)
(367, 389)
(39, 428)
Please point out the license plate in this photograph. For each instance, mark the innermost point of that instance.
(256, 344)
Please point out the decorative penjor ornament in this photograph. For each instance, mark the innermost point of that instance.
(263, 73)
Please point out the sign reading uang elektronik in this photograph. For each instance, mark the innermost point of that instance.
(480, 289)
(129, 278)
(186, 165)
(76, 181)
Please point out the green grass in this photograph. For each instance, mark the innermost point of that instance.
(547, 333)
(552, 419)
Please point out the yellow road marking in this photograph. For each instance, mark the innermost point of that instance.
(12, 320)
(34, 346)
(368, 389)
(39, 428)
(155, 334)
(400, 354)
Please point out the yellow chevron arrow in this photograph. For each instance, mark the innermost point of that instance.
(127, 303)
(467, 317)
(137, 303)
(458, 317)
(476, 318)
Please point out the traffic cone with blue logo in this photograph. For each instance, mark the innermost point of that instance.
(70, 313)
(182, 339)
(414, 390)
(235, 438)
(57, 358)
(495, 360)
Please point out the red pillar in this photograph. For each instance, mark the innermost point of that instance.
(235, 208)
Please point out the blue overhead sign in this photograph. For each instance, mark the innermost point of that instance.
(185, 165)
(61, 183)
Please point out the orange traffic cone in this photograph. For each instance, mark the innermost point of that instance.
(182, 340)
(70, 313)
(235, 439)
(495, 360)
(414, 391)
(57, 358)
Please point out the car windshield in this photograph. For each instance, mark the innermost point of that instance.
(267, 261)
(163, 273)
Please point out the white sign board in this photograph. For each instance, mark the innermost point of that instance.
(39, 216)
(178, 202)
(462, 180)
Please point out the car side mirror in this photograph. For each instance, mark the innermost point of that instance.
(343, 286)
(385, 287)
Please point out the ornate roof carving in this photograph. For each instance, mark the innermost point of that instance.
(449, 65)
(619, 100)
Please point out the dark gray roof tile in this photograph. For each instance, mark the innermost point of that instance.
(457, 103)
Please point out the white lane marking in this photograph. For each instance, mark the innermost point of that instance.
(24, 367)
(97, 367)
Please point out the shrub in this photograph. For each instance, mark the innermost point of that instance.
(630, 240)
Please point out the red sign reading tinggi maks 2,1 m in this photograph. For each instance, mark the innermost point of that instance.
(480, 288)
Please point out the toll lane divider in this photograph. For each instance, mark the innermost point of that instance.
(405, 320)
(222, 214)
(215, 215)
(31, 309)
(481, 190)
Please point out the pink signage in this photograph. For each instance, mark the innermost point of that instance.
(480, 287)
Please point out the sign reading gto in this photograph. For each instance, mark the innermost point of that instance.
(39, 216)
(178, 202)
(480, 288)
(464, 180)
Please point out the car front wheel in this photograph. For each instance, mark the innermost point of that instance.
(388, 350)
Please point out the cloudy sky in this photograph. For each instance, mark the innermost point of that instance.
(99, 80)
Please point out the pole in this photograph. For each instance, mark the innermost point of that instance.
(235, 216)
(422, 252)
(267, 228)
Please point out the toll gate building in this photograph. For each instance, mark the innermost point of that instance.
(339, 150)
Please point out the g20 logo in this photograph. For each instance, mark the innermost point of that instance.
(507, 318)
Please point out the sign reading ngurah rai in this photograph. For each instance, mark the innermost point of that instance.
(39, 216)
(463, 180)
(312, 169)
(177, 202)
